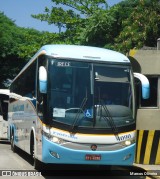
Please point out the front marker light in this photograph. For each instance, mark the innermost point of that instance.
(55, 139)
(127, 157)
(55, 154)
(58, 140)
(128, 142)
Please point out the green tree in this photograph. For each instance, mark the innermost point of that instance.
(129, 24)
(10, 37)
(97, 29)
(7, 35)
(18, 45)
(72, 16)
(141, 28)
(126, 25)
(33, 40)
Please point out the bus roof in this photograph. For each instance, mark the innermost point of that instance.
(78, 52)
(83, 53)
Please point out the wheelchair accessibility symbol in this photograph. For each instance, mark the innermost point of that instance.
(88, 113)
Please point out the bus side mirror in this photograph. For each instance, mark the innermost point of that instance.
(42, 80)
(145, 85)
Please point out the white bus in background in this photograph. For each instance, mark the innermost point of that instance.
(4, 98)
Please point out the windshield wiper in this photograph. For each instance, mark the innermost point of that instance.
(79, 112)
(108, 118)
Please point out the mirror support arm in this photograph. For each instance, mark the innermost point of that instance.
(145, 85)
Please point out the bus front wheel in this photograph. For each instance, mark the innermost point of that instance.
(35, 162)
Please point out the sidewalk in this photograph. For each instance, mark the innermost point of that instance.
(150, 168)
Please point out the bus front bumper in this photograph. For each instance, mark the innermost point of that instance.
(56, 154)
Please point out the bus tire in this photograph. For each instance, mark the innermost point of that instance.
(35, 162)
(13, 147)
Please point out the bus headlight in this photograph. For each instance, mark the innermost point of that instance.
(128, 142)
(54, 139)
(58, 140)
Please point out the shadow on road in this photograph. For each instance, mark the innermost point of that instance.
(93, 171)
(4, 142)
(86, 171)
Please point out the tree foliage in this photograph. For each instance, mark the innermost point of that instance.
(10, 37)
(72, 15)
(142, 27)
(33, 40)
(68, 12)
(7, 34)
(129, 24)
(18, 45)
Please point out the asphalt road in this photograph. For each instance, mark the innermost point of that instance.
(20, 164)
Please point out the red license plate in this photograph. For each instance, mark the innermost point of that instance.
(93, 157)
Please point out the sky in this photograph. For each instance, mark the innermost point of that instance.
(20, 11)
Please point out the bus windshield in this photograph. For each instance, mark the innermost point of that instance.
(89, 95)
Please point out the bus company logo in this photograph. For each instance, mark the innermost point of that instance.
(125, 137)
(18, 108)
(93, 147)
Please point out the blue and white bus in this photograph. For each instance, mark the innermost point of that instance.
(75, 105)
